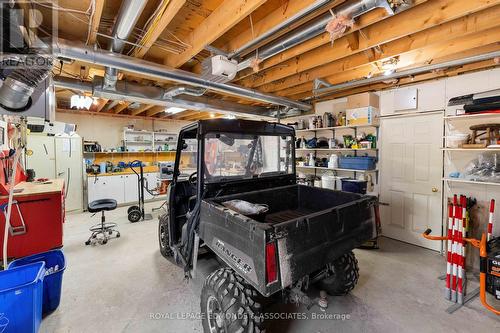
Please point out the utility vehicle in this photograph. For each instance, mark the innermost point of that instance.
(305, 236)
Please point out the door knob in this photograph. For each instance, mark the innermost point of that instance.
(434, 189)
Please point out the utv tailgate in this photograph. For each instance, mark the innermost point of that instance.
(311, 227)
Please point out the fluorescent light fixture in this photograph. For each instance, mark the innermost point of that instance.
(81, 102)
(230, 116)
(174, 110)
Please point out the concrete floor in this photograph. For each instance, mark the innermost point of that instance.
(126, 285)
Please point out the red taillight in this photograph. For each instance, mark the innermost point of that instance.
(271, 268)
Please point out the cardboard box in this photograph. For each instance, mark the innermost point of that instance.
(363, 100)
(363, 116)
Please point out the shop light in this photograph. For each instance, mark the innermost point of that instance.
(174, 110)
(389, 66)
(81, 102)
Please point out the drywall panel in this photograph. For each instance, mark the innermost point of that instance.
(109, 131)
(430, 97)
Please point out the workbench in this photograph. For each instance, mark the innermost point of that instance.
(37, 218)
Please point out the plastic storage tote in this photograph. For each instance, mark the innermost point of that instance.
(354, 185)
(55, 264)
(21, 290)
(357, 162)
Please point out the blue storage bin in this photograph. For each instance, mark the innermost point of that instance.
(357, 162)
(55, 264)
(21, 294)
(354, 185)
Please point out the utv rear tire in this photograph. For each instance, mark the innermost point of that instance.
(163, 241)
(229, 304)
(344, 275)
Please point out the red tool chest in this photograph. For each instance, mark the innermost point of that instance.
(36, 220)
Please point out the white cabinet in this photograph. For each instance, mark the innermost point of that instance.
(131, 188)
(122, 188)
(430, 97)
(106, 187)
(69, 166)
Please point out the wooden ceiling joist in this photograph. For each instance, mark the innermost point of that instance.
(100, 104)
(316, 42)
(160, 23)
(227, 14)
(122, 106)
(94, 23)
(155, 110)
(443, 54)
(460, 28)
(284, 12)
(424, 16)
(141, 109)
(483, 65)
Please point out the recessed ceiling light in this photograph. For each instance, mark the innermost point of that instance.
(212, 115)
(174, 110)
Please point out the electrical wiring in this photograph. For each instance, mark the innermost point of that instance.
(55, 6)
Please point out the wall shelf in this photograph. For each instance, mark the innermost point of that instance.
(470, 149)
(128, 152)
(469, 116)
(334, 128)
(465, 181)
(334, 149)
(337, 169)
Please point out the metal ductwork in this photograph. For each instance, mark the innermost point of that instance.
(128, 15)
(79, 51)
(183, 90)
(20, 83)
(127, 91)
(352, 9)
(284, 25)
(407, 73)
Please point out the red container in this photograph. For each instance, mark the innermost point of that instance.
(43, 216)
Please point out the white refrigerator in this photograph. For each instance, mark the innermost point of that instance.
(59, 157)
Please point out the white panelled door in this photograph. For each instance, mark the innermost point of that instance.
(411, 165)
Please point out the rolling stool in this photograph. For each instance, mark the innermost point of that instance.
(103, 228)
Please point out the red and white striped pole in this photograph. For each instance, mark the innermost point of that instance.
(464, 244)
(491, 219)
(454, 251)
(449, 253)
(460, 250)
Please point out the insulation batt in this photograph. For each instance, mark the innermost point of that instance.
(337, 26)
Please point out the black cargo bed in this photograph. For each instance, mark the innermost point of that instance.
(292, 202)
(286, 215)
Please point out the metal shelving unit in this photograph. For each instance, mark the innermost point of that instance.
(465, 181)
(447, 151)
(333, 129)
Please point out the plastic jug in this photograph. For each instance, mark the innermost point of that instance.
(333, 162)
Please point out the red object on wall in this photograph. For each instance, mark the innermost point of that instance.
(43, 216)
(6, 165)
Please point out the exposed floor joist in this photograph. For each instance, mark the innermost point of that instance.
(228, 14)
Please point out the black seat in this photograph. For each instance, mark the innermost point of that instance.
(103, 231)
(102, 204)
